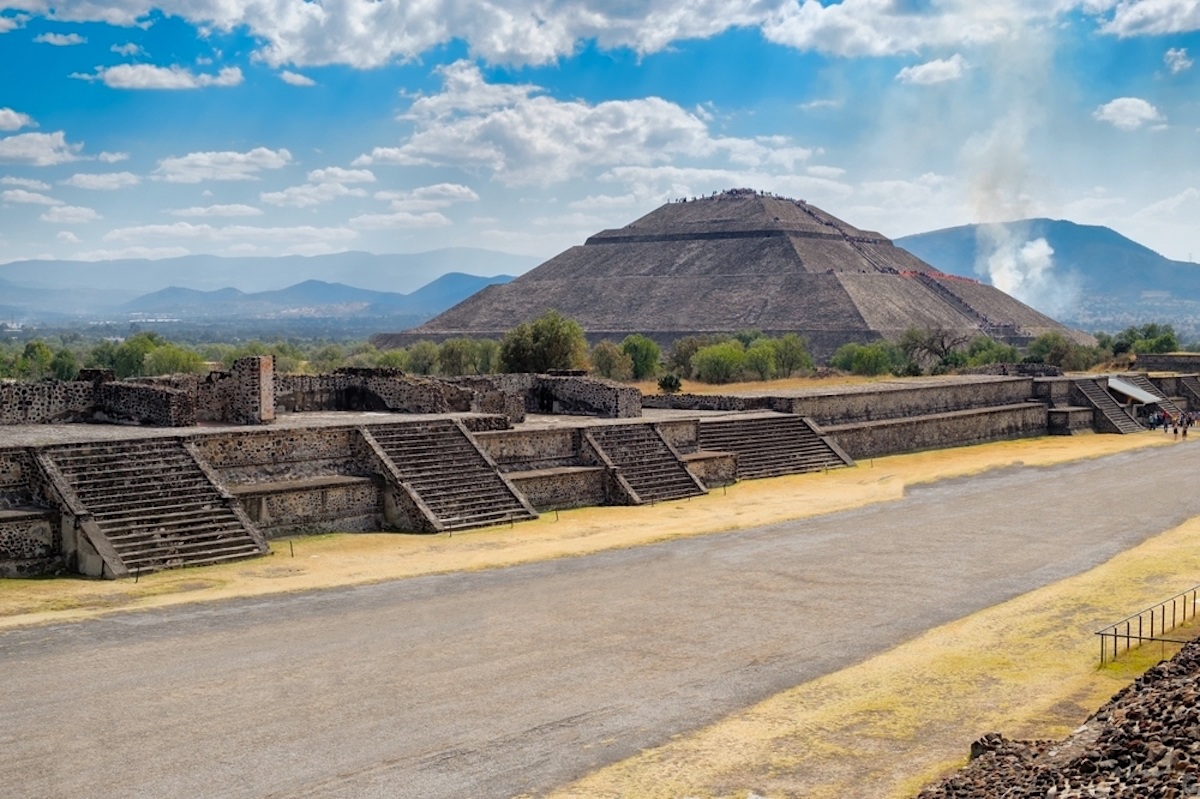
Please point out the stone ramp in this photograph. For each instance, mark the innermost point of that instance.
(458, 485)
(153, 504)
(648, 464)
(1119, 420)
(1164, 403)
(768, 446)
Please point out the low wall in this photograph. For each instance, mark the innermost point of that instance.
(559, 489)
(682, 434)
(874, 403)
(337, 504)
(530, 450)
(149, 405)
(369, 390)
(938, 431)
(45, 402)
(713, 469)
(1069, 421)
(1187, 362)
(265, 456)
(29, 543)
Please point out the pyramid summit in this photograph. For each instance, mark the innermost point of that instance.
(736, 260)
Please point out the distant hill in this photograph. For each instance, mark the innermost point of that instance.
(308, 299)
(42, 290)
(1097, 278)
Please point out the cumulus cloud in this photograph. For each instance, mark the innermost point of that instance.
(428, 198)
(335, 174)
(217, 211)
(1177, 60)
(1128, 113)
(60, 39)
(15, 120)
(70, 215)
(310, 194)
(1153, 17)
(937, 71)
(196, 167)
(112, 158)
(402, 220)
(149, 76)
(25, 183)
(67, 236)
(527, 138)
(27, 197)
(296, 79)
(102, 182)
(127, 49)
(38, 149)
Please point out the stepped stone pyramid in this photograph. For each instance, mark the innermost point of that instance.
(736, 260)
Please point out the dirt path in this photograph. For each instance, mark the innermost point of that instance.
(498, 681)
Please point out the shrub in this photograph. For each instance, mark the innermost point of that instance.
(610, 362)
(719, 363)
(644, 355)
(670, 383)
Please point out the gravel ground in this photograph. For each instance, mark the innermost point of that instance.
(489, 684)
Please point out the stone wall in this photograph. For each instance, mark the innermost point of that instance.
(528, 450)
(559, 489)
(954, 429)
(584, 396)
(345, 504)
(264, 456)
(29, 543)
(713, 469)
(45, 402)
(253, 392)
(1188, 362)
(140, 404)
(369, 390)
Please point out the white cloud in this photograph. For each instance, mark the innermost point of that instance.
(70, 215)
(113, 158)
(1169, 205)
(11, 23)
(38, 149)
(296, 79)
(195, 167)
(102, 182)
(217, 210)
(67, 236)
(815, 105)
(127, 49)
(525, 137)
(60, 39)
(303, 234)
(335, 174)
(1153, 17)
(25, 183)
(310, 194)
(149, 76)
(14, 120)
(147, 253)
(399, 220)
(938, 71)
(1177, 60)
(27, 197)
(830, 172)
(1128, 113)
(428, 198)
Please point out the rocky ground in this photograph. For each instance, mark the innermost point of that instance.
(1143, 744)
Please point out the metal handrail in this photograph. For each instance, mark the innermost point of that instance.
(1159, 624)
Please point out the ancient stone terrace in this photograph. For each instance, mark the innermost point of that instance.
(112, 500)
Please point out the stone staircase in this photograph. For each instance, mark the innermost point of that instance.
(768, 446)
(1164, 403)
(154, 504)
(439, 462)
(647, 463)
(1102, 401)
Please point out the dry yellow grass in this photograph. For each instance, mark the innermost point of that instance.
(878, 729)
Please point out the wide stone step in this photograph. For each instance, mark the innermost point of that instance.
(133, 550)
(170, 561)
(195, 499)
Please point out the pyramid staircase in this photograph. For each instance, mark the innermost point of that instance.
(768, 446)
(649, 466)
(1099, 398)
(458, 485)
(152, 503)
(1190, 389)
(1143, 382)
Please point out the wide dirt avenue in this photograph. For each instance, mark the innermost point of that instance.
(517, 680)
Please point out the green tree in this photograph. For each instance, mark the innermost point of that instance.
(552, 341)
(423, 357)
(64, 365)
(644, 355)
(1057, 350)
(171, 359)
(130, 357)
(458, 356)
(35, 361)
(719, 363)
(760, 358)
(984, 350)
(791, 355)
(102, 356)
(876, 358)
(489, 355)
(610, 361)
(393, 359)
(679, 359)
(327, 358)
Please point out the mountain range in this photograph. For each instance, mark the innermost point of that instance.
(1086, 276)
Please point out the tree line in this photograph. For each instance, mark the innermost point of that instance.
(553, 341)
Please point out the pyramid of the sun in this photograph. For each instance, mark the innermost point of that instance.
(742, 260)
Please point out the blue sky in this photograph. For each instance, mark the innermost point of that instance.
(267, 127)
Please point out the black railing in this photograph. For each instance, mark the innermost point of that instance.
(1151, 624)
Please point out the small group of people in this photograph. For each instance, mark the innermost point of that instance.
(1173, 424)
